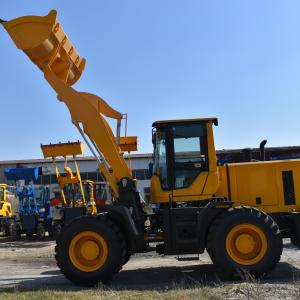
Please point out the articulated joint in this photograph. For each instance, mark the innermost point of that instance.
(126, 184)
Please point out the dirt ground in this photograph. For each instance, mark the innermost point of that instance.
(30, 265)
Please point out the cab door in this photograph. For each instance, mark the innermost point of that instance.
(189, 169)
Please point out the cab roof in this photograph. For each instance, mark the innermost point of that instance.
(213, 120)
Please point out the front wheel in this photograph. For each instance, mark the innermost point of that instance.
(29, 233)
(90, 250)
(40, 231)
(244, 241)
(15, 230)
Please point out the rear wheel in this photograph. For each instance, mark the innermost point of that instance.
(90, 250)
(244, 241)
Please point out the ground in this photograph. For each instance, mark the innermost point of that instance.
(28, 269)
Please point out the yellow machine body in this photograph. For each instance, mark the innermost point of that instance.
(5, 198)
(268, 185)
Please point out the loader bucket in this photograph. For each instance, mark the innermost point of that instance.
(128, 143)
(26, 174)
(62, 149)
(46, 44)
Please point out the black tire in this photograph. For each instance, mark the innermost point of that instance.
(295, 241)
(227, 266)
(15, 230)
(40, 231)
(50, 231)
(114, 239)
(127, 257)
(12, 229)
(56, 230)
(6, 230)
(6, 226)
(29, 233)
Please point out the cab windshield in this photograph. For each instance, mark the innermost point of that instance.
(39, 196)
(73, 193)
(101, 191)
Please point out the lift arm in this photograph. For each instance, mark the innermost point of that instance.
(44, 41)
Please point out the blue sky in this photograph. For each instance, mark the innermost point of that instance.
(236, 60)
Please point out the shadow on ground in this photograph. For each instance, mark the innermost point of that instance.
(158, 278)
(25, 243)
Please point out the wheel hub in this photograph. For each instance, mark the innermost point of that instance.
(90, 250)
(246, 244)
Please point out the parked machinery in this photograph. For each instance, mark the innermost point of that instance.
(34, 215)
(102, 193)
(239, 212)
(8, 207)
(45, 213)
(77, 195)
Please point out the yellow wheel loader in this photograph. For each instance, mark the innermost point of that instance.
(238, 212)
(8, 208)
(77, 195)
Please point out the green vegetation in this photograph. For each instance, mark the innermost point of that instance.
(240, 291)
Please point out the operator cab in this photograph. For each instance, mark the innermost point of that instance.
(74, 195)
(184, 159)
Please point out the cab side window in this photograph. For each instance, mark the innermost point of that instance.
(160, 162)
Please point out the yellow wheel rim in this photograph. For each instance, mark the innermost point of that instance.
(246, 244)
(88, 251)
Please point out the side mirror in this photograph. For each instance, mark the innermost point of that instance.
(153, 136)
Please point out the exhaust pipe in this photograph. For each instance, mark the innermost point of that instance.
(262, 150)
